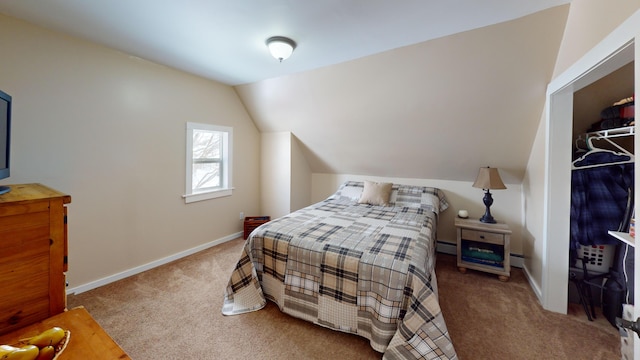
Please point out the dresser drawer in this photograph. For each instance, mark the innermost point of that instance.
(484, 236)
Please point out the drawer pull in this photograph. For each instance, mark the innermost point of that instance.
(481, 236)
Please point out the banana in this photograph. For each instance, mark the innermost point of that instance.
(46, 353)
(27, 352)
(48, 337)
(5, 349)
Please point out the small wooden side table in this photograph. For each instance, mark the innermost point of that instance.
(484, 247)
(87, 341)
(252, 222)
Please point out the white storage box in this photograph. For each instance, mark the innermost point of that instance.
(600, 257)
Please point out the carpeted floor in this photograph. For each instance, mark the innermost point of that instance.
(173, 312)
(488, 319)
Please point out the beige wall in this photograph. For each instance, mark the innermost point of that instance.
(533, 194)
(300, 177)
(588, 23)
(285, 174)
(275, 166)
(109, 130)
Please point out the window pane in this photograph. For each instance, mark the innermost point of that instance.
(207, 144)
(205, 175)
(209, 161)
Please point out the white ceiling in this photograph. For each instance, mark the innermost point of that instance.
(224, 40)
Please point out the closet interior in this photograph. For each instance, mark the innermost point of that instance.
(601, 259)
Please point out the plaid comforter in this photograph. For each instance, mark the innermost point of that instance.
(357, 268)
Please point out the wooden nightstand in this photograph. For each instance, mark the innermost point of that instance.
(483, 247)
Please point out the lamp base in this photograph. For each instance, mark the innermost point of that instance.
(488, 200)
(487, 219)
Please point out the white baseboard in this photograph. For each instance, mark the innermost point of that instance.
(450, 248)
(446, 248)
(443, 247)
(517, 261)
(148, 266)
(534, 286)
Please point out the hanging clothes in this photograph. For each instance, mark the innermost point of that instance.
(600, 191)
(602, 188)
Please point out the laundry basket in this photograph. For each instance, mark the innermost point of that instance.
(600, 257)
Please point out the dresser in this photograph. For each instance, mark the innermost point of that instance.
(33, 260)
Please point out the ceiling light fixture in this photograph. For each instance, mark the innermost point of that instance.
(280, 47)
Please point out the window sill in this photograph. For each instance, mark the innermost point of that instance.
(206, 195)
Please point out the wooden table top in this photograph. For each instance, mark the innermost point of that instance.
(87, 341)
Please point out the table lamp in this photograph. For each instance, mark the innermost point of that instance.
(488, 178)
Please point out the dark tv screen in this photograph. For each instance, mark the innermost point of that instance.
(5, 137)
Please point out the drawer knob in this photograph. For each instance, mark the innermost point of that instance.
(481, 236)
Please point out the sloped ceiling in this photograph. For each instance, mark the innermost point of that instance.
(434, 110)
(376, 88)
(225, 40)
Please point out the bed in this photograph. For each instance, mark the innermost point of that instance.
(361, 261)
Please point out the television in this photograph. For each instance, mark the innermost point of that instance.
(5, 138)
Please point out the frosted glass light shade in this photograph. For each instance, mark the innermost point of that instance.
(280, 47)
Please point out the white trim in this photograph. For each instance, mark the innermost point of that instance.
(610, 54)
(138, 269)
(227, 163)
(446, 248)
(557, 202)
(534, 286)
(516, 261)
(635, 339)
(189, 198)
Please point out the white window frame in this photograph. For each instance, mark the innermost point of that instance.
(227, 164)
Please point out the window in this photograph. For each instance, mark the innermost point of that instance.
(208, 161)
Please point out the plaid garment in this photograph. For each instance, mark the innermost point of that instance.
(599, 198)
(357, 268)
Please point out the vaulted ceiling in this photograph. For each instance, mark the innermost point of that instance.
(434, 110)
(422, 89)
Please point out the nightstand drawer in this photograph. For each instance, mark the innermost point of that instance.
(484, 236)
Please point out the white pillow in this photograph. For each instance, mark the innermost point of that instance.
(375, 193)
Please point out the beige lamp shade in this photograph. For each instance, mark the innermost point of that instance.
(488, 178)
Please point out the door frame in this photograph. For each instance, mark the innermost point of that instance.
(615, 51)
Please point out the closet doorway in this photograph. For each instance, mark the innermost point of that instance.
(612, 54)
(603, 163)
